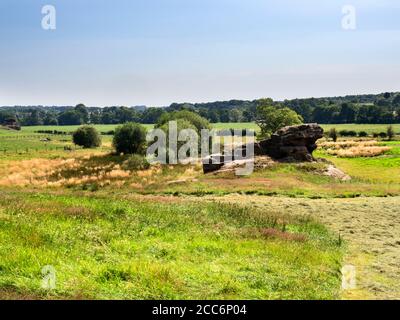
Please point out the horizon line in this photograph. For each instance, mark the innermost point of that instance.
(194, 103)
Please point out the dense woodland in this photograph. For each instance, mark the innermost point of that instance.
(382, 108)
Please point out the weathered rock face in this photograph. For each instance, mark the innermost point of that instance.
(294, 143)
(291, 144)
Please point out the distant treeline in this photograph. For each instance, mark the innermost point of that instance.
(382, 108)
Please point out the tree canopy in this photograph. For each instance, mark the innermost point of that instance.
(190, 117)
(130, 138)
(86, 137)
(381, 109)
(271, 118)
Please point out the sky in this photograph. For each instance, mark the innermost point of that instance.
(155, 52)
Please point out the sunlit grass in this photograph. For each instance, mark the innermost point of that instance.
(103, 248)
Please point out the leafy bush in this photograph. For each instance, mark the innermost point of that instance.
(348, 133)
(56, 132)
(362, 134)
(86, 137)
(383, 135)
(130, 138)
(195, 119)
(136, 162)
(390, 132)
(333, 134)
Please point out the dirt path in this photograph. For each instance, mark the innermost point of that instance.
(370, 227)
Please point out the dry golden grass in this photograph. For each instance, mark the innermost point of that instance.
(32, 172)
(50, 173)
(354, 148)
(360, 151)
(89, 170)
(345, 144)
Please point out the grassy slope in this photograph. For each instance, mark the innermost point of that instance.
(108, 248)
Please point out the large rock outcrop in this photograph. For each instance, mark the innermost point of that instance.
(291, 144)
(294, 143)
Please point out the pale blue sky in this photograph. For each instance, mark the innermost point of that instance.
(154, 52)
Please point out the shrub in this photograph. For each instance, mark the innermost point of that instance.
(136, 162)
(362, 134)
(390, 132)
(348, 133)
(86, 137)
(333, 134)
(195, 119)
(130, 138)
(383, 135)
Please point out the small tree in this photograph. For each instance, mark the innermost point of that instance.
(363, 134)
(383, 135)
(195, 119)
(130, 139)
(87, 137)
(272, 118)
(390, 132)
(333, 134)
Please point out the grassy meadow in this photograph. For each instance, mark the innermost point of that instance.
(114, 230)
(146, 249)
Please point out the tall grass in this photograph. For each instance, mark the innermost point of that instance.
(105, 248)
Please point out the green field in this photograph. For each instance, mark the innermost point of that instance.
(113, 249)
(112, 231)
(369, 128)
(99, 127)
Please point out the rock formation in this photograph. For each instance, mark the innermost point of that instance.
(290, 144)
(294, 143)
